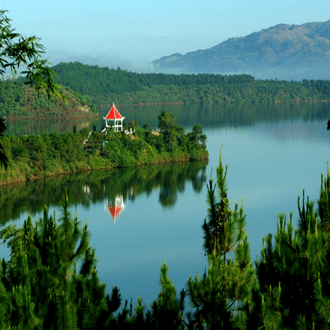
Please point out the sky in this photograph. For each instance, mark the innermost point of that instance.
(140, 31)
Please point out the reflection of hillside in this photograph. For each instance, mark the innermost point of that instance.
(208, 116)
(94, 187)
(230, 115)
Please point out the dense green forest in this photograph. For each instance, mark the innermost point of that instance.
(89, 88)
(41, 286)
(17, 100)
(31, 157)
(105, 86)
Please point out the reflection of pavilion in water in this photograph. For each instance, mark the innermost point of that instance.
(115, 206)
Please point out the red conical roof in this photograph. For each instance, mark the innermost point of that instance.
(113, 114)
(114, 210)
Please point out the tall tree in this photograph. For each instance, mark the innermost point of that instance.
(167, 310)
(223, 293)
(293, 271)
(3, 156)
(168, 126)
(40, 286)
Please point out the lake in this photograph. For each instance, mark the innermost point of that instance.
(140, 217)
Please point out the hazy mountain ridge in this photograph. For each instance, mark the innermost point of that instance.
(282, 47)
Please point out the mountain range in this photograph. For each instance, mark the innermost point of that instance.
(283, 51)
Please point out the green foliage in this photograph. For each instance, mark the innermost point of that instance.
(222, 295)
(297, 261)
(40, 283)
(20, 101)
(174, 138)
(3, 157)
(167, 310)
(165, 179)
(33, 157)
(17, 50)
(40, 286)
(104, 86)
(324, 202)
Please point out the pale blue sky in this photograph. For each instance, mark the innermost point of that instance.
(146, 30)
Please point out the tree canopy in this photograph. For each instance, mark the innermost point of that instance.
(18, 51)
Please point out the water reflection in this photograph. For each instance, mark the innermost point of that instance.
(114, 207)
(237, 115)
(113, 187)
(209, 116)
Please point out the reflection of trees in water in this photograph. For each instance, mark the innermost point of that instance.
(198, 182)
(230, 115)
(167, 197)
(174, 182)
(188, 115)
(89, 188)
(237, 115)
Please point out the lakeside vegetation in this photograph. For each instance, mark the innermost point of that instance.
(42, 288)
(34, 157)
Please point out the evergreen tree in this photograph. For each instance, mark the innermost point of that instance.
(40, 286)
(223, 293)
(324, 201)
(3, 156)
(293, 272)
(167, 310)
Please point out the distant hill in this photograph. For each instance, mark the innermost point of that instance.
(283, 52)
(103, 86)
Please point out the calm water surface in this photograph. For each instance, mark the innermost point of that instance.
(273, 152)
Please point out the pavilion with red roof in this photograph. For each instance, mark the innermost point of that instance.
(114, 119)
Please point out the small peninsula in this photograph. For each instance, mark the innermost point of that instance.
(35, 157)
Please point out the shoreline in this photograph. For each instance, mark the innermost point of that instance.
(178, 103)
(42, 177)
(13, 119)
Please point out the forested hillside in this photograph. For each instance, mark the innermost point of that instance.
(89, 88)
(18, 100)
(105, 86)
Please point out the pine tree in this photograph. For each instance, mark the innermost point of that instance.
(222, 295)
(324, 201)
(167, 310)
(40, 286)
(296, 264)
